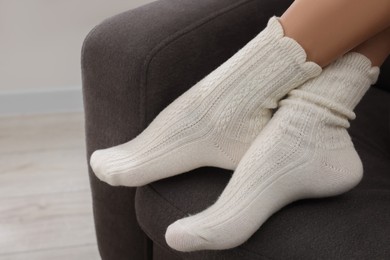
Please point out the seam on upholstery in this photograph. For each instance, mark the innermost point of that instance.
(163, 198)
(154, 240)
(166, 42)
(239, 250)
(149, 247)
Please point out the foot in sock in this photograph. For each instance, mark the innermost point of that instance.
(214, 122)
(304, 151)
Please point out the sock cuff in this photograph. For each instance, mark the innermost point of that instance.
(341, 85)
(358, 62)
(289, 48)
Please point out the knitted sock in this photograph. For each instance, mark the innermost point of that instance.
(304, 151)
(214, 122)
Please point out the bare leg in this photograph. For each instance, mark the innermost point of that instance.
(328, 29)
(377, 48)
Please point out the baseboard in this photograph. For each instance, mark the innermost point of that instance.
(41, 101)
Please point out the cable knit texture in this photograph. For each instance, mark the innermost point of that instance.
(215, 121)
(304, 151)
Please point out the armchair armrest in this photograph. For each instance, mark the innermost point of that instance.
(133, 65)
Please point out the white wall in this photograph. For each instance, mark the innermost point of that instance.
(40, 40)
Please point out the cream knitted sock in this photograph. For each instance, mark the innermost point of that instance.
(304, 151)
(214, 122)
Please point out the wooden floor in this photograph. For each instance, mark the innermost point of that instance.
(45, 200)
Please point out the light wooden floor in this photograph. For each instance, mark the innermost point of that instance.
(45, 201)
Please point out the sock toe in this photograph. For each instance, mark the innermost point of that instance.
(182, 239)
(97, 165)
(100, 164)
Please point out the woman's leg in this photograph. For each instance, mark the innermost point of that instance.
(377, 48)
(305, 150)
(329, 28)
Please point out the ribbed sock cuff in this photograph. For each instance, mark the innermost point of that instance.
(290, 49)
(341, 85)
(358, 63)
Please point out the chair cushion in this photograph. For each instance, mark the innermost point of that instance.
(354, 225)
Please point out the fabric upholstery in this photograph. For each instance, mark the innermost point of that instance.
(137, 62)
